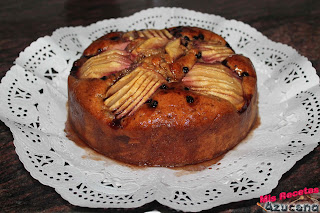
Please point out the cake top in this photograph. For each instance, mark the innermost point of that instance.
(138, 63)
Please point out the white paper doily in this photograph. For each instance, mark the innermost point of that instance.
(34, 95)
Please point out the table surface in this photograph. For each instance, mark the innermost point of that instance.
(294, 22)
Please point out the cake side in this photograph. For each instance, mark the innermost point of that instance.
(174, 133)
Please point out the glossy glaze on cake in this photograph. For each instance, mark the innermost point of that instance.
(168, 97)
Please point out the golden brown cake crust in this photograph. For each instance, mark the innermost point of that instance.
(174, 133)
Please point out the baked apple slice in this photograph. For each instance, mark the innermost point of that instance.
(217, 80)
(150, 47)
(131, 91)
(105, 64)
(155, 33)
(174, 49)
(213, 51)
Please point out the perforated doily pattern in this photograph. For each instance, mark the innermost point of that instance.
(34, 93)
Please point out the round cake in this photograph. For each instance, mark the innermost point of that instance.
(169, 97)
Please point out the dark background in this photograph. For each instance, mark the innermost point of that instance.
(294, 22)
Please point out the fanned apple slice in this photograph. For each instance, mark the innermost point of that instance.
(216, 71)
(138, 92)
(155, 33)
(154, 43)
(148, 34)
(141, 34)
(103, 60)
(104, 45)
(215, 90)
(107, 55)
(236, 100)
(213, 51)
(129, 35)
(103, 57)
(105, 64)
(217, 53)
(136, 100)
(208, 83)
(217, 80)
(209, 79)
(124, 84)
(101, 65)
(212, 74)
(161, 33)
(129, 92)
(150, 46)
(106, 69)
(155, 84)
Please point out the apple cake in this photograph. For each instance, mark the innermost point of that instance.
(169, 97)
